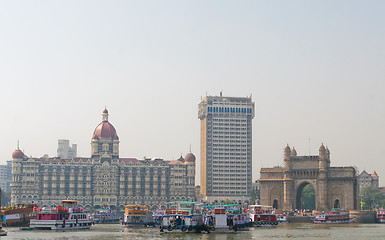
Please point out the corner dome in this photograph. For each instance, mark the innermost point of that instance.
(18, 154)
(287, 148)
(190, 157)
(105, 129)
(293, 152)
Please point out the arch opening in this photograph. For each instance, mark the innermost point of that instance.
(305, 197)
(275, 204)
(337, 203)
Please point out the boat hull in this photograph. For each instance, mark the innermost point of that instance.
(59, 225)
(333, 221)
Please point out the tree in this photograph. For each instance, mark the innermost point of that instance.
(308, 197)
(372, 197)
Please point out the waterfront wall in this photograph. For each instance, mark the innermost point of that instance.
(363, 216)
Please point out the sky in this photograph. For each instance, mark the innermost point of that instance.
(315, 70)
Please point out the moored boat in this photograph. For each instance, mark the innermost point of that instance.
(105, 216)
(380, 216)
(17, 216)
(3, 232)
(184, 217)
(136, 216)
(335, 216)
(226, 218)
(67, 216)
(262, 215)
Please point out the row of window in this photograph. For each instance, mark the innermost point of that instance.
(229, 110)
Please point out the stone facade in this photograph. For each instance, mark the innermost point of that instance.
(368, 180)
(281, 187)
(105, 179)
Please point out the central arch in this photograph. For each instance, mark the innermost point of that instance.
(305, 197)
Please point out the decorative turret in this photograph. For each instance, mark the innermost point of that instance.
(287, 157)
(323, 157)
(287, 152)
(293, 152)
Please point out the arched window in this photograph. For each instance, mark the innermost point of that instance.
(275, 204)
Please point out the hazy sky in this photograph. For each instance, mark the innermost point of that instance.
(315, 70)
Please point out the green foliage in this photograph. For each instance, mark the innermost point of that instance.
(363, 206)
(308, 197)
(372, 197)
(254, 196)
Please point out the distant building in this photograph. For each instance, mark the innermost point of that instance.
(64, 151)
(368, 180)
(6, 176)
(103, 180)
(226, 147)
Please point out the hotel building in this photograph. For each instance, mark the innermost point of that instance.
(226, 147)
(105, 179)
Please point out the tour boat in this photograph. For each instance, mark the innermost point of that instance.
(335, 216)
(227, 218)
(63, 217)
(105, 216)
(136, 216)
(262, 215)
(381, 216)
(184, 217)
(17, 216)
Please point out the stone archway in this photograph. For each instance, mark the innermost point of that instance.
(337, 203)
(275, 204)
(300, 201)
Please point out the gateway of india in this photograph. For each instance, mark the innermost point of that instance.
(103, 180)
(281, 187)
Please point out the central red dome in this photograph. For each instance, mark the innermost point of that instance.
(105, 129)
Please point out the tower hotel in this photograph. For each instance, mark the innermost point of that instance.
(226, 147)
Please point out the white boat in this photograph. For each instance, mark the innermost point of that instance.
(227, 218)
(62, 218)
(281, 217)
(105, 216)
(335, 216)
(184, 217)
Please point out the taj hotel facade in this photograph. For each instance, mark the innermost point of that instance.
(104, 179)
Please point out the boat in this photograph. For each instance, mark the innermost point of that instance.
(3, 231)
(105, 216)
(226, 218)
(335, 216)
(136, 216)
(380, 216)
(263, 215)
(184, 216)
(157, 218)
(64, 217)
(17, 216)
(281, 217)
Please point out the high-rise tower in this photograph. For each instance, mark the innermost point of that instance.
(226, 147)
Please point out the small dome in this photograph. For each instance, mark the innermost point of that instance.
(18, 154)
(105, 110)
(293, 152)
(322, 148)
(181, 158)
(374, 174)
(189, 157)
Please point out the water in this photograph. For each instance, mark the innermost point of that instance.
(282, 231)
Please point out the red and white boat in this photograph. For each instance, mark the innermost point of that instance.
(61, 218)
(335, 216)
(381, 216)
(262, 215)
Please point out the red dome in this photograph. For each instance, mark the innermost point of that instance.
(18, 154)
(105, 130)
(189, 157)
